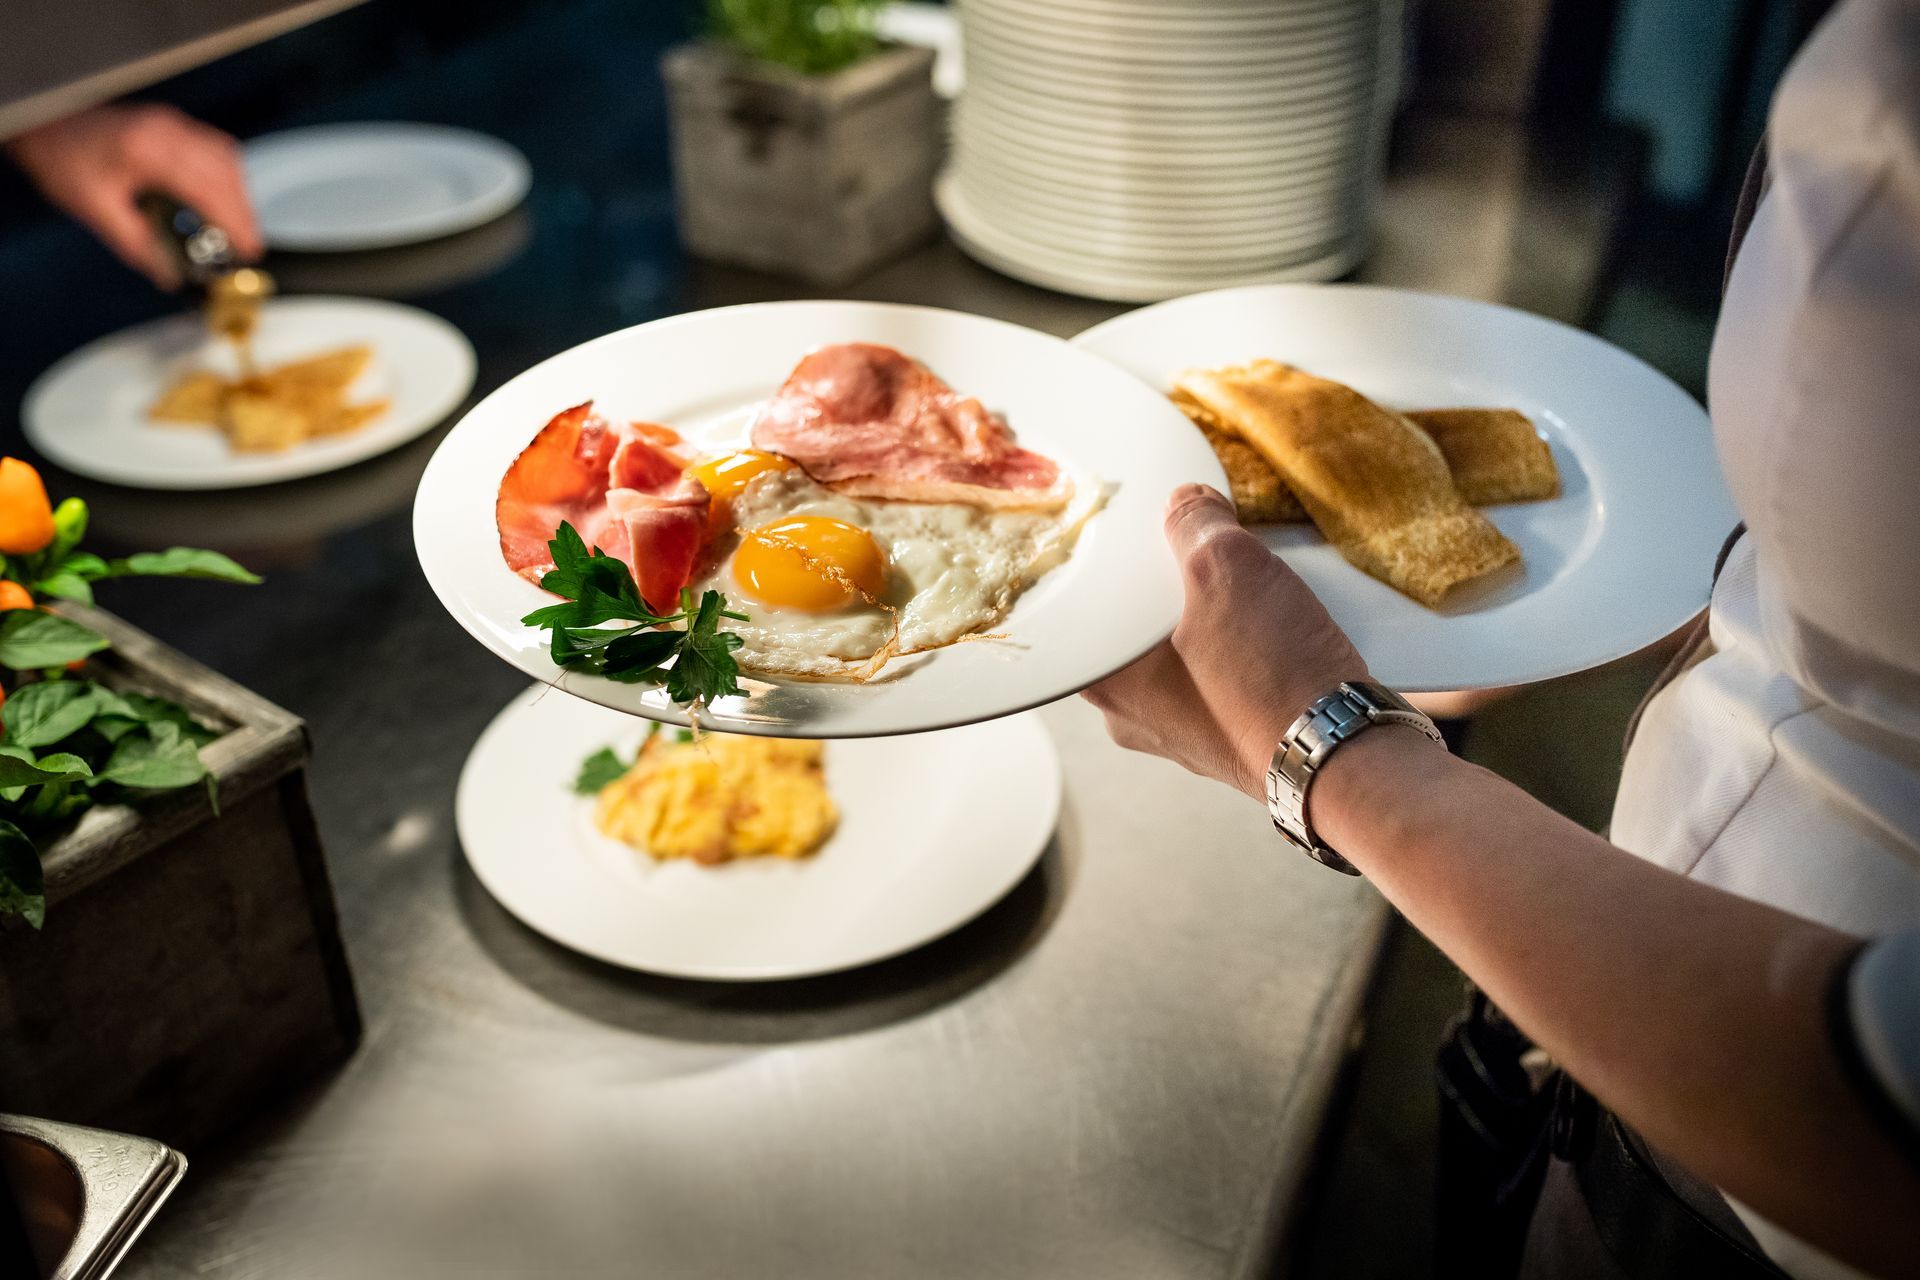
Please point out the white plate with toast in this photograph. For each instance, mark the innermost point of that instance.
(91, 412)
(1620, 558)
(705, 374)
(932, 831)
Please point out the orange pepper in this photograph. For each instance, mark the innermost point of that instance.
(26, 517)
(14, 596)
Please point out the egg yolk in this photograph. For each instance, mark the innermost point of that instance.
(727, 475)
(809, 562)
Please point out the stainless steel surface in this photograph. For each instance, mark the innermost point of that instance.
(1118, 1071)
(60, 57)
(85, 1194)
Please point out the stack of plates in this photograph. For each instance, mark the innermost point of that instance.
(1139, 149)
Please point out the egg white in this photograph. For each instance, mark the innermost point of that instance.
(953, 570)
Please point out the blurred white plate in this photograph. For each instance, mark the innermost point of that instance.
(1116, 97)
(1042, 217)
(1149, 140)
(1071, 202)
(1170, 41)
(1122, 281)
(934, 829)
(1623, 557)
(1184, 22)
(338, 187)
(703, 373)
(1089, 252)
(1281, 59)
(1224, 188)
(88, 413)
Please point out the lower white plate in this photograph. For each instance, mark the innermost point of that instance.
(934, 829)
(88, 413)
(1621, 558)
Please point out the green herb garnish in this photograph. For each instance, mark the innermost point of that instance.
(599, 770)
(685, 652)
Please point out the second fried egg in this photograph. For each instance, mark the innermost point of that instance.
(824, 577)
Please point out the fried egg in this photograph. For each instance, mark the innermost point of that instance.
(826, 578)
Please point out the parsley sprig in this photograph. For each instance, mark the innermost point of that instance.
(686, 652)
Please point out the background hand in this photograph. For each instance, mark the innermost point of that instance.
(1253, 648)
(95, 164)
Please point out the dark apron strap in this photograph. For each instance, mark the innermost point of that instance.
(1537, 1178)
(1653, 1218)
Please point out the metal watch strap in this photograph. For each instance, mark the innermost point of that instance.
(1347, 712)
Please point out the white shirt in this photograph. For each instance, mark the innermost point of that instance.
(1786, 765)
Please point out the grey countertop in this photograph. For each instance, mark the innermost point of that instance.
(1120, 1070)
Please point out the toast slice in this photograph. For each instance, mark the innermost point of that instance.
(1376, 486)
(1495, 455)
(1260, 496)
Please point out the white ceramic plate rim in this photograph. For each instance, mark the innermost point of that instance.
(529, 841)
(1228, 61)
(1113, 600)
(1043, 216)
(1135, 262)
(73, 417)
(1118, 284)
(1117, 98)
(502, 172)
(1147, 152)
(1121, 196)
(1180, 22)
(1625, 554)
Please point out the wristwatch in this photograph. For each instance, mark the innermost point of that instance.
(1344, 714)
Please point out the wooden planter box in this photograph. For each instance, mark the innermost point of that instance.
(816, 177)
(190, 970)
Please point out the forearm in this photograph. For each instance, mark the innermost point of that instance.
(1697, 1015)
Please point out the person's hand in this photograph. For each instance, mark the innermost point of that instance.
(1253, 648)
(94, 164)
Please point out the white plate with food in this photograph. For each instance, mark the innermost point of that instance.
(747, 859)
(342, 187)
(165, 405)
(1555, 502)
(926, 518)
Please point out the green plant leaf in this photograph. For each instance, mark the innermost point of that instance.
(599, 770)
(638, 654)
(33, 641)
(65, 585)
(705, 668)
(18, 768)
(180, 562)
(151, 710)
(160, 759)
(43, 714)
(22, 887)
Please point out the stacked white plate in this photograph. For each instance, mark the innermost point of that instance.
(1139, 149)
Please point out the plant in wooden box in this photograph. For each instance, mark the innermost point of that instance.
(68, 742)
(802, 143)
(185, 966)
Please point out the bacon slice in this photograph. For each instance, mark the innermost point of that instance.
(664, 535)
(866, 420)
(622, 487)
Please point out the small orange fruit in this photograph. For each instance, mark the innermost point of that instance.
(26, 517)
(14, 596)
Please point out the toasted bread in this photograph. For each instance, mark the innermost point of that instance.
(1495, 455)
(1260, 496)
(1376, 486)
